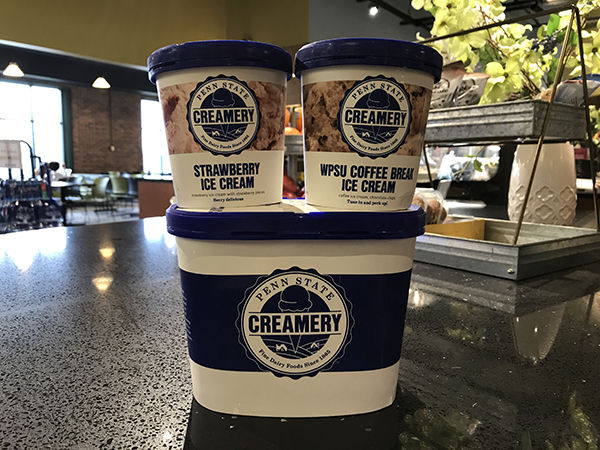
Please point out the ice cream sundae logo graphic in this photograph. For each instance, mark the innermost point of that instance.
(375, 116)
(223, 115)
(295, 322)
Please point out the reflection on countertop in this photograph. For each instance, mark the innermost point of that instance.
(407, 423)
(522, 367)
(93, 355)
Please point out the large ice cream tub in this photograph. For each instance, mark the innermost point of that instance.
(365, 106)
(295, 312)
(223, 104)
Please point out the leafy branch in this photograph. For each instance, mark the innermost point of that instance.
(521, 62)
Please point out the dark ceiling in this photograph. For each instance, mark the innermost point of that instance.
(54, 66)
(408, 15)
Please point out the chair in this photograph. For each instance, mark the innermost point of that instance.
(75, 197)
(120, 189)
(99, 197)
(133, 186)
(94, 196)
(76, 193)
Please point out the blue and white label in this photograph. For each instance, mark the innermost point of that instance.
(295, 322)
(223, 115)
(326, 323)
(374, 117)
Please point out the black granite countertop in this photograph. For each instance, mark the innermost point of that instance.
(93, 355)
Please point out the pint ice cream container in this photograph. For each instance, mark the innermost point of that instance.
(294, 312)
(224, 108)
(365, 106)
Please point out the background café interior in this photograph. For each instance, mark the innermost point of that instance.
(84, 100)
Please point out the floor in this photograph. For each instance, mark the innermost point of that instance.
(122, 212)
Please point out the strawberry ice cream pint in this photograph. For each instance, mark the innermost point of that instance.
(365, 106)
(224, 108)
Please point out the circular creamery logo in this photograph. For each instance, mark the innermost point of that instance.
(374, 116)
(223, 115)
(295, 322)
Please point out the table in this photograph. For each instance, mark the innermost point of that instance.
(64, 186)
(93, 355)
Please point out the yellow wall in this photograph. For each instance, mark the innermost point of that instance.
(282, 22)
(129, 30)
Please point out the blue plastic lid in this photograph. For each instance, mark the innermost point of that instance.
(369, 51)
(218, 53)
(271, 225)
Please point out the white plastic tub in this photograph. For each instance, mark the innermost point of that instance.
(294, 312)
(365, 106)
(224, 110)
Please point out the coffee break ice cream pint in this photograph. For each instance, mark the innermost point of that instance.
(295, 312)
(365, 105)
(224, 108)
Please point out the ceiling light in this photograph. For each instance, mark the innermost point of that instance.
(373, 10)
(100, 83)
(13, 70)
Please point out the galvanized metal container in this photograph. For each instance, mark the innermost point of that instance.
(519, 120)
(541, 249)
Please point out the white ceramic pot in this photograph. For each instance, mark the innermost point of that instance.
(553, 197)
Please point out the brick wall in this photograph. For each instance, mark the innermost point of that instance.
(91, 130)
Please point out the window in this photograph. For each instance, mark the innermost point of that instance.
(154, 141)
(33, 114)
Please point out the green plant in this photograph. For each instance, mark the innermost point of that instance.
(521, 61)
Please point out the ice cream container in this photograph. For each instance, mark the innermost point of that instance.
(295, 312)
(365, 106)
(224, 108)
